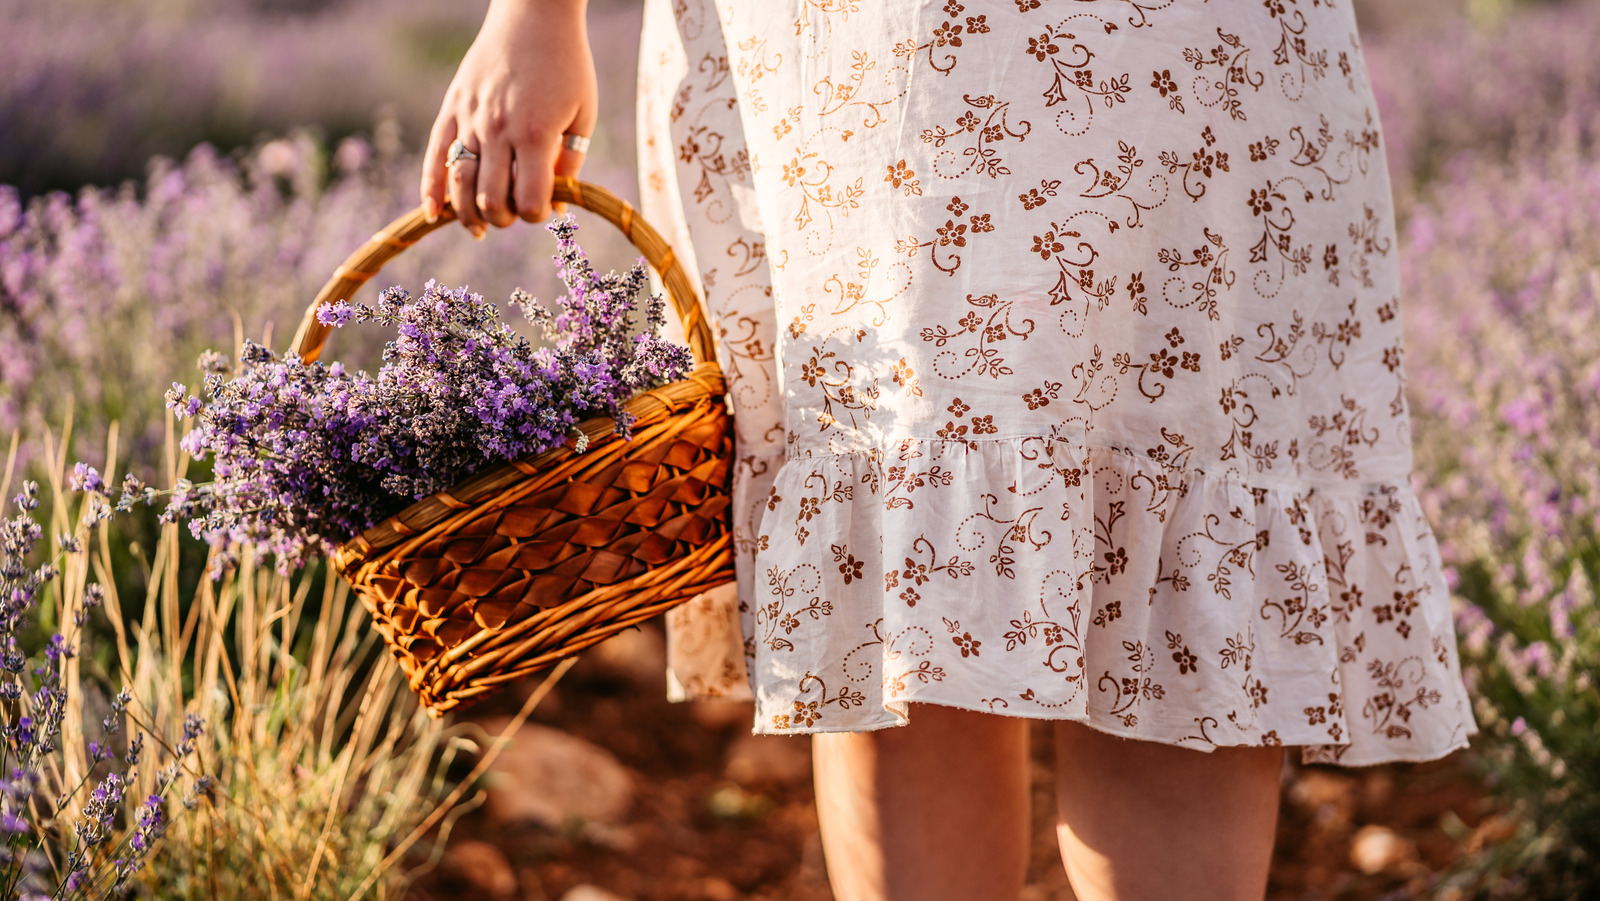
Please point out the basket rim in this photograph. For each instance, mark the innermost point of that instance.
(701, 386)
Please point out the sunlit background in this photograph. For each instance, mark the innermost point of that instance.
(176, 172)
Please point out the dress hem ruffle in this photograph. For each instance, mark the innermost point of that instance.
(1151, 599)
(1310, 753)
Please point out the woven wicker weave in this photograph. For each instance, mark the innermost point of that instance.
(531, 561)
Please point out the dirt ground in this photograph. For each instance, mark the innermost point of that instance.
(716, 813)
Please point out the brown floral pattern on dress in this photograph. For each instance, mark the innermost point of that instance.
(696, 188)
(1065, 349)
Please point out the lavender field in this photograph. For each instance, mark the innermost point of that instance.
(179, 174)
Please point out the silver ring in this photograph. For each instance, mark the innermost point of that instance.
(575, 143)
(458, 151)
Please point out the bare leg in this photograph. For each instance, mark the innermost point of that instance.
(1140, 821)
(935, 810)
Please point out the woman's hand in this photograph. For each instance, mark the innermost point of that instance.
(526, 80)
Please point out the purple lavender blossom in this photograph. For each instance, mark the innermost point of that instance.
(100, 291)
(86, 478)
(307, 455)
(336, 315)
(33, 803)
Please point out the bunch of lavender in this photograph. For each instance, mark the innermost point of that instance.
(54, 842)
(307, 455)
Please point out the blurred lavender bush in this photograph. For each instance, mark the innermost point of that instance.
(1502, 87)
(91, 89)
(225, 245)
(1491, 134)
(1503, 278)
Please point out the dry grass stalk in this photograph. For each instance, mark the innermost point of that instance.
(322, 757)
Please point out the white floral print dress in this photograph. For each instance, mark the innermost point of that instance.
(1064, 342)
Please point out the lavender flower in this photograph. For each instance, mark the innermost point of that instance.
(307, 455)
(33, 802)
(86, 478)
(179, 403)
(102, 290)
(336, 314)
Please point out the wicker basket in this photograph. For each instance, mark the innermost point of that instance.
(532, 561)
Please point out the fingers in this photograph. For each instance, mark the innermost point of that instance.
(569, 161)
(505, 181)
(463, 182)
(434, 173)
(493, 199)
(531, 194)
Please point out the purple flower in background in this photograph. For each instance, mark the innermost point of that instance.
(1523, 415)
(100, 292)
(180, 403)
(87, 478)
(13, 824)
(1503, 321)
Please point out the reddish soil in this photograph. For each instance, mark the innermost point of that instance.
(694, 833)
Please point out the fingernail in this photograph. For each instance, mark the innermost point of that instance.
(430, 209)
(479, 231)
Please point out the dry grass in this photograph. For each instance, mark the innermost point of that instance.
(328, 775)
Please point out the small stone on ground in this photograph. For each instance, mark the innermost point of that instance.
(769, 759)
(482, 866)
(1378, 849)
(551, 778)
(636, 656)
(590, 893)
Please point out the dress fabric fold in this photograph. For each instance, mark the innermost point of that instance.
(1065, 345)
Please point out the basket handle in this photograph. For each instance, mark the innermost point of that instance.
(411, 227)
